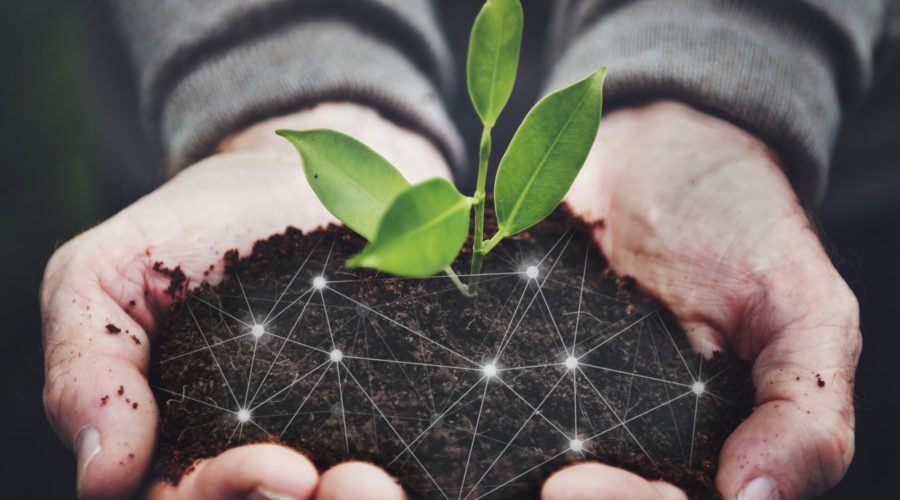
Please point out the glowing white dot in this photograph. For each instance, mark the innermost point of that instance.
(532, 272)
(336, 355)
(257, 331)
(243, 416)
(490, 370)
(576, 445)
(571, 362)
(698, 388)
(319, 282)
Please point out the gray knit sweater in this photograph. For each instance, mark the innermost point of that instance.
(787, 70)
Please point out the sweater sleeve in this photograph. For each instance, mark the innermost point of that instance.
(206, 69)
(786, 70)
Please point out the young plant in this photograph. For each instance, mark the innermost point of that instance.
(418, 230)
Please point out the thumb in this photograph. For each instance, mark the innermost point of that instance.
(95, 393)
(799, 441)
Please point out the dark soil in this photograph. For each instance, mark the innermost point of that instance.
(409, 393)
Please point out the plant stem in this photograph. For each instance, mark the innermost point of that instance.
(463, 288)
(490, 244)
(478, 251)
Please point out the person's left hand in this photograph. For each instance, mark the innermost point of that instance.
(701, 215)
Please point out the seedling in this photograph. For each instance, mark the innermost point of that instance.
(418, 230)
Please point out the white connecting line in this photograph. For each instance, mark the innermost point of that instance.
(344, 351)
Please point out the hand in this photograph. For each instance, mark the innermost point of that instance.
(250, 190)
(700, 214)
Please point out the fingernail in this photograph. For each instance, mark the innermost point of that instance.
(261, 493)
(87, 446)
(761, 488)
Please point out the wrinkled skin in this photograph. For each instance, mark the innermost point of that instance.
(700, 214)
(695, 209)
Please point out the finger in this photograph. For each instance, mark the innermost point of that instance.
(96, 394)
(799, 440)
(257, 471)
(358, 480)
(704, 339)
(599, 481)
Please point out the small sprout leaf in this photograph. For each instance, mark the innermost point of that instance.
(421, 232)
(353, 182)
(493, 57)
(546, 154)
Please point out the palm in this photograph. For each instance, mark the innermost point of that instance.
(226, 202)
(705, 247)
(255, 189)
(700, 214)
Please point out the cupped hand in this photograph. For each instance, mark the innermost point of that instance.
(96, 392)
(702, 216)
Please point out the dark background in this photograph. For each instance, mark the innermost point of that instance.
(73, 152)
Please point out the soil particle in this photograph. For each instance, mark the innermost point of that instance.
(112, 329)
(178, 282)
(121, 390)
(104, 400)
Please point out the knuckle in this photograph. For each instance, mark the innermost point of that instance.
(65, 372)
(847, 303)
(835, 446)
(56, 390)
(52, 272)
(60, 265)
(845, 306)
(64, 255)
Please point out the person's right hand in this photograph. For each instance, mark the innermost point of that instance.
(252, 189)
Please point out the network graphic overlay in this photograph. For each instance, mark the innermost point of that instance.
(552, 365)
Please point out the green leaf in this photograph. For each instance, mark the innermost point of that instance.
(421, 232)
(353, 182)
(547, 153)
(494, 57)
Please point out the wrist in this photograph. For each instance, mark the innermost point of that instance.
(414, 155)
